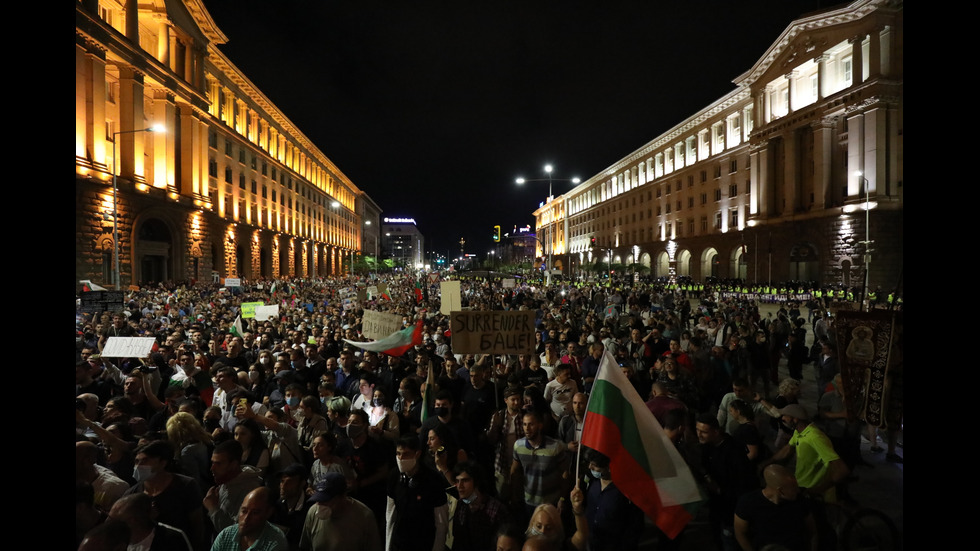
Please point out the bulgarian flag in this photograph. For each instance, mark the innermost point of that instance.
(87, 285)
(418, 290)
(236, 328)
(394, 344)
(644, 463)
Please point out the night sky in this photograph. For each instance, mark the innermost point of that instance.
(435, 107)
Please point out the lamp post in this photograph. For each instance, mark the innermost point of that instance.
(520, 181)
(115, 192)
(867, 234)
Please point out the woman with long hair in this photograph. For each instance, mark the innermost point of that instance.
(192, 445)
(254, 450)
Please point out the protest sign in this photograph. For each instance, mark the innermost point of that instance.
(493, 332)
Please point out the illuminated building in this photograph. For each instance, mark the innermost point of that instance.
(403, 242)
(768, 182)
(231, 188)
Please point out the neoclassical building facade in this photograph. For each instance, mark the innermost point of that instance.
(230, 187)
(781, 179)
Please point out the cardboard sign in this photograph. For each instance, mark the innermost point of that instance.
(233, 282)
(493, 332)
(128, 347)
(378, 325)
(248, 309)
(264, 313)
(509, 283)
(451, 301)
(362, 295)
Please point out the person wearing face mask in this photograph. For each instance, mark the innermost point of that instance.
(477, 517)
(337, 522)
(176, 498)
(367, 457)
(408, 406)
(615, 523)
(417, 511)
(445, 414)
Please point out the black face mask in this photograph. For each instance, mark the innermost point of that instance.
(442, 412)
(211, 424)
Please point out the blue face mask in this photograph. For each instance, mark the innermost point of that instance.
(293, 401)
(596, 474)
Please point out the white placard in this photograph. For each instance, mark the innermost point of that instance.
(451, 301)
(128, 347)
(263, 313)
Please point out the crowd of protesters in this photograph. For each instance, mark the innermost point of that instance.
(280, 434)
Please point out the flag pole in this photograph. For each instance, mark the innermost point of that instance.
(578, 455)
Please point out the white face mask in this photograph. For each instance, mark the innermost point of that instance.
(323, 512)
(405, 465)
(142, 473)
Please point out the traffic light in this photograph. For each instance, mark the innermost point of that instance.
(496, 234)
(592, 244)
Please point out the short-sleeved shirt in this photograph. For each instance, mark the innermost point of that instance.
(783, 524)
(272, 539)
(415, 500)
(814, 452)
(543, 469)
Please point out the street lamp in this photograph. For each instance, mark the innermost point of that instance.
(867, 233)
(115, 192)
(520, 181)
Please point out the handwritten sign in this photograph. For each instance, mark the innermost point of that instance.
(493, 332)
(128, 347)
(378, 325)
(233, 282)
(508, 283)
(248, 309)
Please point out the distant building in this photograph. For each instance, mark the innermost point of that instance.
(402, 242)
(518, 246)
(232, 187)
(768, 182)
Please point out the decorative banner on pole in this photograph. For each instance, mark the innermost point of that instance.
(128, 347)
(451, 301)
(378, 325)
(263, 313)
(493, 332)
(248, 309)
(871, 357)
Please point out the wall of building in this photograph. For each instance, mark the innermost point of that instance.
(778, 156)
(231, 185)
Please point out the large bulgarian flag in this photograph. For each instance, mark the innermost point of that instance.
(644, 463)
(394, 344)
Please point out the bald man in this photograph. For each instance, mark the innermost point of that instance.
(777, 514)
(108, 487)
(253, 530)
(135, 510)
